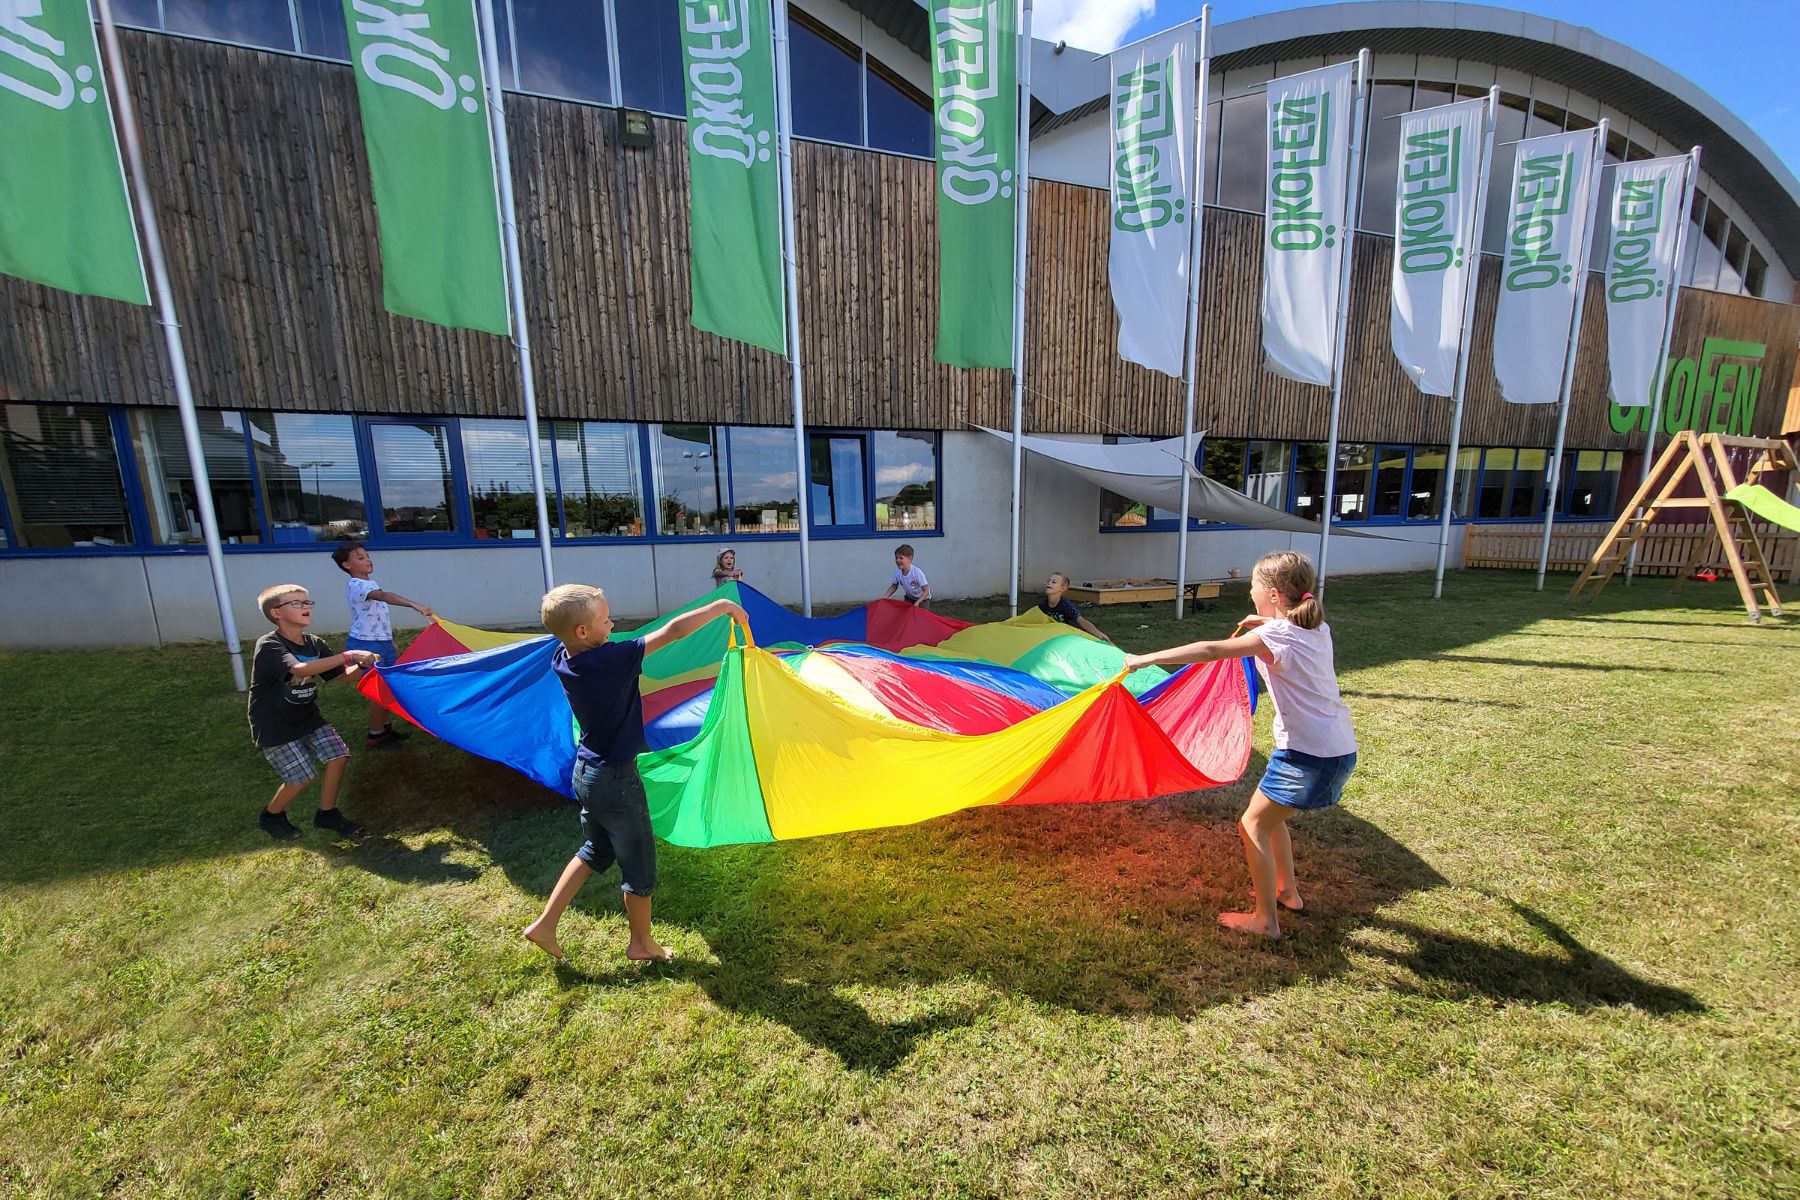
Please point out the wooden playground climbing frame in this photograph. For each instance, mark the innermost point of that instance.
(1707, 457)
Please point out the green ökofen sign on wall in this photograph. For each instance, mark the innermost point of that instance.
(1716, 393)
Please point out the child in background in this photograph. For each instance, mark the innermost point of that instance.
(285, 721)
(914, 588)
(725, 568)
(1058, 607)
(1315, 747)
(371, 630)
(601, 680)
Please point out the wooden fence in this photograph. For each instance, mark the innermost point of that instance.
(1665, 550)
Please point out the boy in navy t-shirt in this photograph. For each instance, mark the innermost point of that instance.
(1058, 607)
(600, 678)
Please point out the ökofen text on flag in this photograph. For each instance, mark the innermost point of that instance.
(1152, 152)
(431, 160)
(1547, 211)
(1640, 270)
(65, 216)
(734, 171)
(1306, 203)
(975, 124)
(1437, 240)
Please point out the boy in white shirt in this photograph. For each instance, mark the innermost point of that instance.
(909, 581)
(371, 629)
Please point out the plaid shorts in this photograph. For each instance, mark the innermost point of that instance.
(293, 761)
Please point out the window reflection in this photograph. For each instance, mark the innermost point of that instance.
(497, 460)
(765, 497)
(905, 479)
(412, 471)
(650, 73)
(247, 22)
(561, 48)
(827, 74)
(167, 478)
(689, 480)
(312, 484)
(899, 114)
(602, 490)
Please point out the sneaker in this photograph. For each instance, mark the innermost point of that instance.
(277, 826)
(382, 741)
(337, 822)
(393, 733)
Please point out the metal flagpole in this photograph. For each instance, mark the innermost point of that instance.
(172, 339)
(1662, 369)
(1196, 209)
(784, 118)
(1022, 193)
(515, 284)
(1553, 477)
(1353, 210)
(1465, 346)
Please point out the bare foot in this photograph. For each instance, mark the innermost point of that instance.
(649, 952)
(1250, 923)
(543, 939)
(1288, 900)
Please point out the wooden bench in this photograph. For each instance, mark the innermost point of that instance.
(1141, 591)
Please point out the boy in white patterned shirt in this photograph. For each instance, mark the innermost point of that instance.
(371, 629)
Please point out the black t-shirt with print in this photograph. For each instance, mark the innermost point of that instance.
(284, 709)
(1065, 611)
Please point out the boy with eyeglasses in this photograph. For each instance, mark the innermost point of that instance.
(285, 721)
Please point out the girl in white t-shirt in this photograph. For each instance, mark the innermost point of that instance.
(1315, 747)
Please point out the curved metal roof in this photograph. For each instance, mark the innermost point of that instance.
(1071, 85)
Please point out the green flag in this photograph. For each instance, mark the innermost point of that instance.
(974, 67)
(65, 217)
(735, 182)
(431, 159)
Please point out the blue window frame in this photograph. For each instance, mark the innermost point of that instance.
(413, 470)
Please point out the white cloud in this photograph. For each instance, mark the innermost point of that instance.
(1098, 25)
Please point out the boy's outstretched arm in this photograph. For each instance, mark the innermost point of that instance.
(693, 622)
(1088, 626)
(387, 597)
(1242, 646)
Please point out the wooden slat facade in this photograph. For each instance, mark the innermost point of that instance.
(258, 164)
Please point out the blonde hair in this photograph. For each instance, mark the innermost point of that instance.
(1062, 575)
(568, 605)
(1292, 575)
(270, 596)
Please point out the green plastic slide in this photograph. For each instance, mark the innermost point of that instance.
(1766, 504)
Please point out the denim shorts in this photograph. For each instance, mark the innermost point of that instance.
(293, 761)
(615, 823)
(389, 655)
(1300, 780)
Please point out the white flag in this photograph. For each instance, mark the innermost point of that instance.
(1545, 232)
(1306, 206)
(1640, 270)
(1437, 241)
(1152, 205)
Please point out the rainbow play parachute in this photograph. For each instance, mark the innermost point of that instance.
(885, 715)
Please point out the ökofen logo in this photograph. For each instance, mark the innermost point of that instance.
(1430, 175)
(1631, 268)
(721, 124)
(1299, 154)
(402, 54)
(1145, 150)
(968, 60)
(1542, 200)
(38, 69)
(1716, 393)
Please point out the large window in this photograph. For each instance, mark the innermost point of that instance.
(497, 461)
(1245, 158)
(765, 494)
(1593, 477)
(1425, 495)
(1528, 484)
(560, 46)
(1356, 462)
(602, 483)
(690, 491)
(322, 30)
(167, 479)
(1387, 100)
(650, 69)
(1496, 480)
(1222, 460)
(1266, 473)
(1468, 475)
(834, 470)
(312, 487)
(905, 479)
(1390, 499)
(247, 22)
(827, 74)
(899, 113)
(59, 470)
(1309, 480)
(414, 477)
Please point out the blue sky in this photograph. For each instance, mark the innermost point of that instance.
(1743, 52)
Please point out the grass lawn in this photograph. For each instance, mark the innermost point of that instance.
(1553, 950)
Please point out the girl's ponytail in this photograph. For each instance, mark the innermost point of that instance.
(1293, 576)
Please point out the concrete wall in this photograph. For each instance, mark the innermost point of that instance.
(148, 600)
